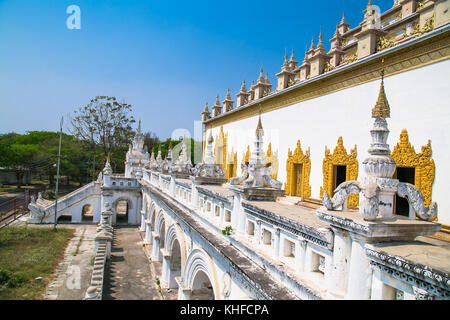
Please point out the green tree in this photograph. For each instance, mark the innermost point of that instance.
(106, 124)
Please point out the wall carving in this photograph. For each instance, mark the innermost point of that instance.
(298, 158)
(340, 157)
(404, 155)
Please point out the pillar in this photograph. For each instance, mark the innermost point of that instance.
(148, 232)
(360, 272)
(300, 255)
(380, 290)
(142, 227)
(155, 248)
(341, 257)
(165, 276)
(276, 242)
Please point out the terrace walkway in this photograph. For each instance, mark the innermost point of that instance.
(128, 274)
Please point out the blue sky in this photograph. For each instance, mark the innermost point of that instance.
(165, 58)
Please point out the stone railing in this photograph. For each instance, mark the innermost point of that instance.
(43, 210)
(103, 243)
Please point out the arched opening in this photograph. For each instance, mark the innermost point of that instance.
(87, 213)
(122, 211)
(175, 264)
(202, 288)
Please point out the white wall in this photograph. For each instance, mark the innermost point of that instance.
(419, 101)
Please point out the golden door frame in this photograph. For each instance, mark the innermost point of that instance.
(404, 155)
(340, 157)
(298, 157)
(221, 142)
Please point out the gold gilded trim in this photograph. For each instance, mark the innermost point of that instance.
(246, 157)
(220, 149)
(404, 155)
(298, 157)
(231, 164)
(418, 55)
(340, 157)
(272, 159)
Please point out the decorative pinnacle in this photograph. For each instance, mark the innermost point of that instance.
(259, 127)
(217, 101)
(243, 89)
(210, 138)
(228, 97)
(381, 109)
(336, 33)
(312, 44)
(261, 75)
(206, 108)
(267, 77)
(320, 44)
(292, 56)
(343, 21)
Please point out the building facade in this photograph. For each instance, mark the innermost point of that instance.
(335, 204)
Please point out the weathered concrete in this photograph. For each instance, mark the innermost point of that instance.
(128, 275)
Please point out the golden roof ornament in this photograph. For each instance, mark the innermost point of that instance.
(381, 109)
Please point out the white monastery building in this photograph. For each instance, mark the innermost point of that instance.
(330, 184)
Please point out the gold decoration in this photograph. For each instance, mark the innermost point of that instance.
(381, 108)
(293, 186)
(349, 58)
(384, 43)
(246, 157)
(404, 155)
(428, 26)
(328, 67)
(231, 164)
(272, 159)
(220, 149)
(419, 5)
(340, 157)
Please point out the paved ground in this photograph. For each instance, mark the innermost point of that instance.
(128, 272)
(73, 274)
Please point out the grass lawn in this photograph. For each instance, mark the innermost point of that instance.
(27, 253)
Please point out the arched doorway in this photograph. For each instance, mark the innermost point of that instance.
(202, 288)
(87, 213)
(175, 264)
(122, 211)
